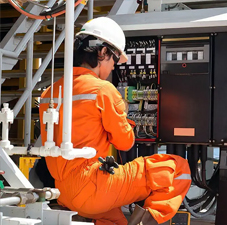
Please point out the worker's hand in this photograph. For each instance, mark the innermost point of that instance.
(126, 106)
(108, 164)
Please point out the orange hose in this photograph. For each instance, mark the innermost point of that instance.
(16, 6)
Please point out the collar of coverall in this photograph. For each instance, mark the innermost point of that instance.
(77, 71)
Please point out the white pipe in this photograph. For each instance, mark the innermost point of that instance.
(5, 131)
(90, 9)
(49, 118)
(16, 151)
(50, 130)
(17, 200)
(68, 76)
(10, 190)
(28, 105)
(9, 201)
(54, 151)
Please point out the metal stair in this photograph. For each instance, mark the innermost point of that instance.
(11, 46)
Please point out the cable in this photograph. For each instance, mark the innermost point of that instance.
(205, 200)
(57, 7)
(200, 215)
(120, 157)
(205, 204)
(24, 12)
(196, 201)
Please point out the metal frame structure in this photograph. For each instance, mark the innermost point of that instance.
(173, 22)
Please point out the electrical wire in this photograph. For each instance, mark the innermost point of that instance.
(120, 157)
(56, 13)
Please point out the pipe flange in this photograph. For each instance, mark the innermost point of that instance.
(55, 193)
(26, 198)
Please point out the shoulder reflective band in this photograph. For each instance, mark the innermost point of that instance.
(184, 177)
(84, 97)
(74, 98)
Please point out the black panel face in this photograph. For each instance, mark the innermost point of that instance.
(185, 102)
(220, 91)
(180, 219)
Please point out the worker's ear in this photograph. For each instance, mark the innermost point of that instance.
(103, 52)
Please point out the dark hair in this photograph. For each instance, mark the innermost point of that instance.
(83, 53)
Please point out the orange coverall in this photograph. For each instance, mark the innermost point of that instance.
(98, 120)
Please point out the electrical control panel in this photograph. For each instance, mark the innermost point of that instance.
(137, 81)
(185, 90)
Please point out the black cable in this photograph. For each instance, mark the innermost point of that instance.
(199, 214)
(193, 158)
(205, 204)
(203, 157)
(207, 197)
(172, 7)
(51, 12)
(57, 4)
(196, 201)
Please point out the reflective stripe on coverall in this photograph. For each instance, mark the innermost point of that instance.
(99, 120)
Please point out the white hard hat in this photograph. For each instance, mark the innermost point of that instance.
(108, 31)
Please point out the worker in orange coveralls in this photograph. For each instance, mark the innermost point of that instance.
(98, 120)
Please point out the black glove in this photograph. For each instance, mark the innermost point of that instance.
(108, 164)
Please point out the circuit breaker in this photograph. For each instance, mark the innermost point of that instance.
(137, 81)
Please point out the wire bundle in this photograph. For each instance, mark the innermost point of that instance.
(206, 203)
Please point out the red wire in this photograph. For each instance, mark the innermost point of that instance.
(120, 157)
(39, 17)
